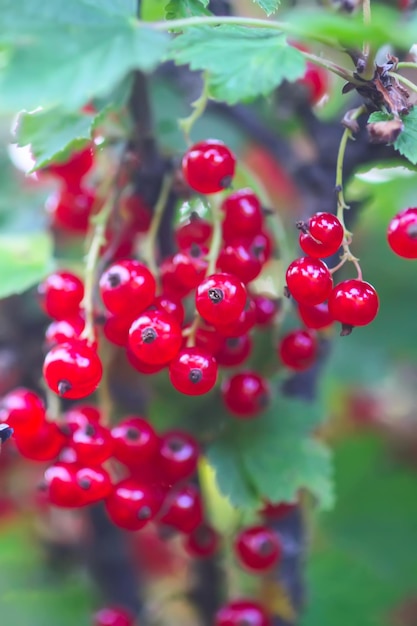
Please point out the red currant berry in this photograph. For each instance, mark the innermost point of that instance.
(317, 316)
(116, 328)
(127, 287)
(186, 268)
(220, 299)
(258, 548)
(242, 613)
(197, 230)
(316, 82)
(134, 441)
(202, 542)
(208, 166)
(70, 210)
(92, 444)
(309, 280)
(171, 305)
(178, 455)
(353, 303)
(265, 309)
(112, 616)
(141, 366)
(61, 294)
(61, 331)
(155, 338)
(43, 445)
(74, 168)
(240, 259)
(245, 394)
(277, 511)
(184, 509)
(131, 505)
(208, 338)
(322, 236)
(234, 351)
(243, 215)
(244, 323)
(22, 410)
(193, 371)
(138, 213)
(72, 370)
(402, 234)
(298, 349)
(80, 416)
(72, 486)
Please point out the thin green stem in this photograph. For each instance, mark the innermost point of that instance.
(330, 66)
(199, 106)
(406, 65)
(405, 81)
(367, 17)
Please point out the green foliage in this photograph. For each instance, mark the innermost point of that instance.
(269, 6)
(176, 9)
(363, 562)
(25, 259)
(406, 142)
(258, 60)
(53, 57)
(272, 456)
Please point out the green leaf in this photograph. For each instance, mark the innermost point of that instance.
(269, 6)
(62, 58)
(272, 456)
(25, 259)
(53, 135)
(176, 9)
(406, 142)
(363, 561)
(258, 60)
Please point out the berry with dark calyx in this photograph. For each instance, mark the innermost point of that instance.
(322, 236)
(116, 328)
(243, 214)
(184, 510)
(309, 280)
(112, 616)
(70, 485)
(197, 230)
(127, 287)
(234, 351)
(142, 367)
(171, 305)
(43, 445)
(80, 416)
(353, 302)
(134, 441)
(70, 210)
(220, 298)
(23, 410)
(316, 316)
(72, 370)
(186, 268)
(132, 505)
(402, 234)
(240, 259)
(60, 295)
(242, 613)
(178, 455)
(202, 542)
(265, 309)
(245, 394)
(61, 331)
(208, 166)
(92, 444)
(298, 349)
(155, 337)
(258, 548)
(193, 371)
(244, 323)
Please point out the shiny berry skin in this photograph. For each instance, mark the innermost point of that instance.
(112, 616)
(61, 331)
(184, 509)
(265, 309)
(316, 82)
(186, 268)
(208, 166)
(61, 294)
(243, 214)
(134, 441)
(73, 169)
(193, 371)
(171, 305)
(234, 351)
(258, 548)
(23, 410)
(72, 370)
(197, 230)
(116, 328)
(309, 280)
(127, 287)
(402, 234)
(80, 416)
(202, 542)
(92, 444)
(242, 613)
(240, 259)
(353, 303)
(245, 394)
(70, 210)
(132, 505)
(244, 323)
(43, 445)
(317, 316)
(155, 337)
(322, 236)
(220, 298)
(178, 455)
(70, 485)
(298, 349)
